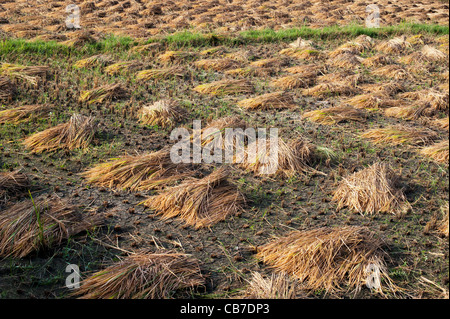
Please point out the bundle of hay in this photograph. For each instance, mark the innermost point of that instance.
(123, 67)
(140, 172)
(40, 223)
(336, 114)
(277, 286)
(345, 60)
(7, 88)
(13, 183)
(30, 74)
(219, 50)
(225, 87)
(409, 112)
(77, 133)
(269, 101)
(240, 56)
(306, 70)
(250, 72)
(435, 99)
(441, 123)
(433, 54)
(143, 275)
(174, 56)
(217, 64)
(24, 113)
(288, 159)
(158, 74)
(200, 202)
(371, 190)
(391, 71)
(164, 113)
(395, 45)
(151, 48)
(330, 259)
(303, 54)
(400, 134)
(292, 82)
(377, 61)
(94, 61)
(79, 39)
(386, 89)
(366, 101)
(438, 152)
(269, 63)
(103, 93)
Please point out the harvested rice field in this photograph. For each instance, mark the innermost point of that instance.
(351, 201)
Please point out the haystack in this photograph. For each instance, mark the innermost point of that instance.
(276, 286)
(330, 259)
(336, 114)
(269, 101)
(225, 87)
(371, 190)
(103, 93)
(24, 113)
(144, 275)
(439, 152)
(77, 133)
(41, 223)
(400, 134)
(158, 74)
(164, 113)
(139, 172)
(200, 202)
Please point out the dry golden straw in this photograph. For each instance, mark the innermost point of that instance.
(77, 133)
(391, 71)
(164, 113)
(41, 223)
(435, 99)
(336, 114)
(13, 183)
(200, 202)
(328, 89)
(293, 81)
(441, 123)
(138, 172)
(396, 135)
(94, 61)
(438, 152)
(277, 286)
(269, 101)
(331, 259)
(123, 67)
(288, 159)
(24, 113)
(225, 87)
(30, 74)
(174, 56)
(158, 74)
(371, 190)
(144, 275)
(103, 93)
